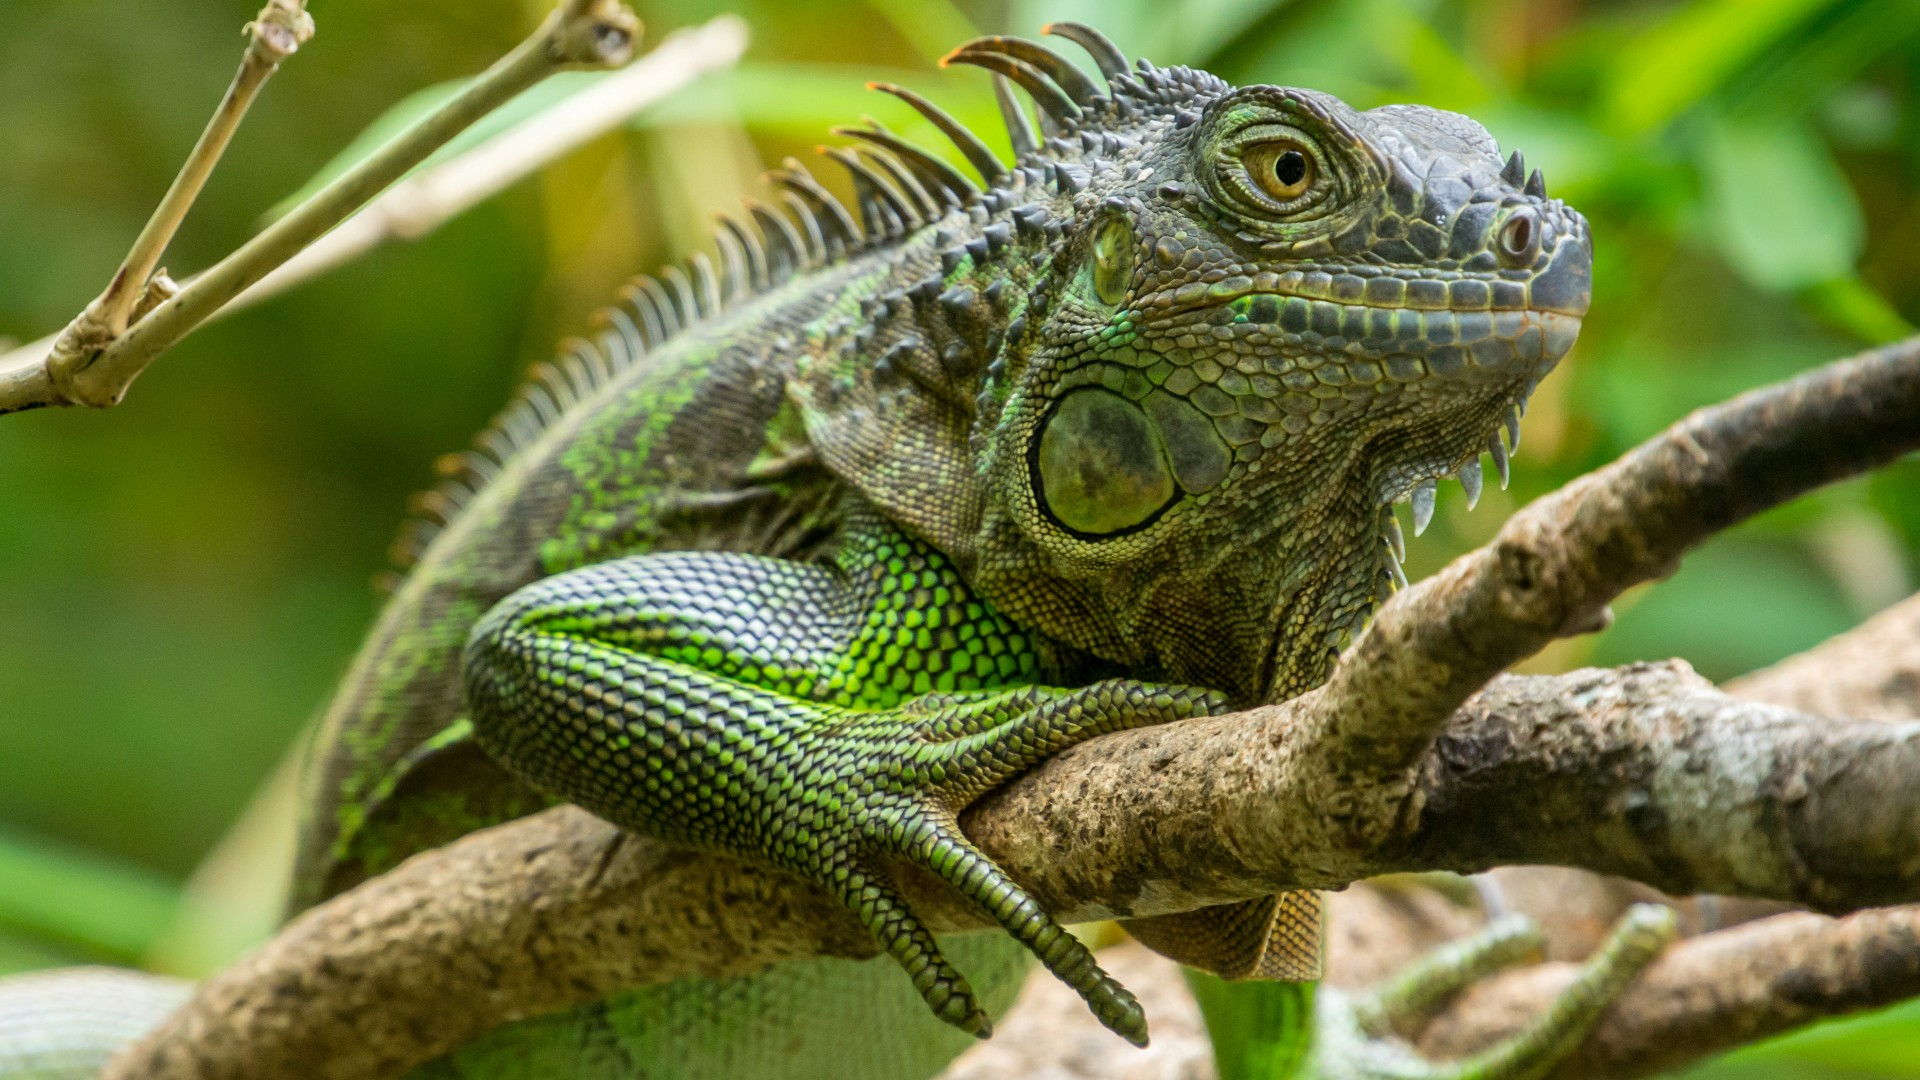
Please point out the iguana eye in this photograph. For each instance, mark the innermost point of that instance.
(1283, 169)
(1112, 261)
(1279, 170)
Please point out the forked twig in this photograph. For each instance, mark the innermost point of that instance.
(442, 191)
(93, 364)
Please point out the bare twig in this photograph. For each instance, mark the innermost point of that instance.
(424, 201)
(86, 369)
(35, 375)
(275, 34)
(516, 920)
(437, 193)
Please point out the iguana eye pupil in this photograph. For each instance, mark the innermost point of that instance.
(1281, 168)
(1290, 168)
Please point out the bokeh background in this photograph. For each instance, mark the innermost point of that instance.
(183, 577)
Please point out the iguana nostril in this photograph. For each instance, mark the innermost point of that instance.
(1519, 240)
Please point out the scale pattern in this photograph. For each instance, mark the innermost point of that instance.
(818, 717)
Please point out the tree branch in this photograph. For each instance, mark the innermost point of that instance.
(93, 362)
(1320, 791)
(1708, 995)
(273, 35)
(436, 193)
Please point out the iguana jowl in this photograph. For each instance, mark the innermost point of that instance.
(811, 546)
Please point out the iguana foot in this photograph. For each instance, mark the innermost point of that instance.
(1356, 1037)
(781, 711)
(901, 779)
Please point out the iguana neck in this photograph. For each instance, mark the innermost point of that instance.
(1260, 620)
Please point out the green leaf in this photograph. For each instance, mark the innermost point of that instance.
(1822, 56)
(1880, 1044)
(1852, 305)
(805, 99)
(1777, 205)
(933, 26)
(1678, 62)
(101, 906)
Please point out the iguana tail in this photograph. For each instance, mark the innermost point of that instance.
(65, 1024)
(1261, 1030)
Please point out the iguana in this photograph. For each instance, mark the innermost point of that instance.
(815, 541)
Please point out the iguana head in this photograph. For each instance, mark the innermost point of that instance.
(1267, 315)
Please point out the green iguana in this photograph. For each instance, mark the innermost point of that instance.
(815, 542)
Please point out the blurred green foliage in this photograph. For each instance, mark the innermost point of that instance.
(187, 574)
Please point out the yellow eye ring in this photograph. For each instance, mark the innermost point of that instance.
(1282, 169)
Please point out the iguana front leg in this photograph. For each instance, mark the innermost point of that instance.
(818, 717)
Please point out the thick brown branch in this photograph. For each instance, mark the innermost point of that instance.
(1558, 562)
(536, 915)
(1650, 773)
(1705, 997)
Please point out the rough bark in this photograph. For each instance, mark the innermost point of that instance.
(1714, 992)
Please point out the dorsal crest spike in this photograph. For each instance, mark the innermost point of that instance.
(870, 184)
(808, 226)
(732, 265)
(786, 251)
(707, 299)
(1053, 101)
(935, 175)
(795, 178)
(686, 303)
(926, 204)
(572, 375)
(982, 159)
(621, 327)
(752, 255)
(1106, 56)
(1019, 132)
(653, 310)
(1064, 75)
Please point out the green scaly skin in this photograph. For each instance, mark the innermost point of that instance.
(823, 717)
(799, 556)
